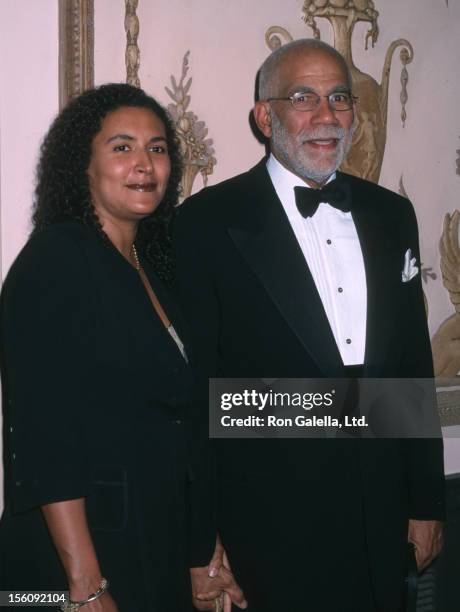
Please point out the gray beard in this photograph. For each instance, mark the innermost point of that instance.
(290, 150)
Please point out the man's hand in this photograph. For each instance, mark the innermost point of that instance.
(215, 580)
(427, 538)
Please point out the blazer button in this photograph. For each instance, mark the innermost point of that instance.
(177, 422)
(18, 483)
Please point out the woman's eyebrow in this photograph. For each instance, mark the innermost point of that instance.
(121, 136)
(128, 137)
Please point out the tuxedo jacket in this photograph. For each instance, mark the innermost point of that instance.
(255, 312)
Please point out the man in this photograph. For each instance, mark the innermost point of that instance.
(277, 287)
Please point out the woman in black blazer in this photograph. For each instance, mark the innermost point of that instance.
(96, 379)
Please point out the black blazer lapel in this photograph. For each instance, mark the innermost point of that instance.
(267, 242)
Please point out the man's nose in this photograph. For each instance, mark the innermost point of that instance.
(323, 113)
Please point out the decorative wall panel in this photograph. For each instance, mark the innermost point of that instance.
(76, 48)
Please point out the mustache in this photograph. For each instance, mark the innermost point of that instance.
(324, 132)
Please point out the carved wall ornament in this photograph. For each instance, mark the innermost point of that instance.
(366, 155)
(449, 249)
(446, 341)
(402, 189)
(272, 37)
(76, 48)
(197, 151)
(132, 53)
(351, 10)
(427, 272)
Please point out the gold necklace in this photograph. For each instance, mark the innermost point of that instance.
(136, 258)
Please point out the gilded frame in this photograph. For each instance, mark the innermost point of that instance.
(76, 48)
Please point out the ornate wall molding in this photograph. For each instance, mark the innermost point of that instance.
(197, 151)
(446, 341)
(132, 54)
(272, 37)
(76, 48)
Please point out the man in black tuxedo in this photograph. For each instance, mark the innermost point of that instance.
(278, 284)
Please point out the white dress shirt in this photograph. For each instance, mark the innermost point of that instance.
(330, 245)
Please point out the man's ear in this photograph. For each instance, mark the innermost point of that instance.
(263, 118)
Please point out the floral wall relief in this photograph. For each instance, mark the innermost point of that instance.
(197, 150)
(446, 341)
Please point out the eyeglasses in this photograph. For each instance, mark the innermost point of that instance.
(309, 101)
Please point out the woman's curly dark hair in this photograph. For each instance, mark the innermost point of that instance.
(62, 192)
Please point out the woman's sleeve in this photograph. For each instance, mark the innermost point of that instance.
(45, 326)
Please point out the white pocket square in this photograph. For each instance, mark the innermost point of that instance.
(410, 269)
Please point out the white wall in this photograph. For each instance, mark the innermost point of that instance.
(28, 102)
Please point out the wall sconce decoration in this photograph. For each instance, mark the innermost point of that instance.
(197, 151)
(366, 155)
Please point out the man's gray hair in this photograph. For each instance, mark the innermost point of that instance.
(268, 76)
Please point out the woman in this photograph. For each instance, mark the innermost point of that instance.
(95, 374)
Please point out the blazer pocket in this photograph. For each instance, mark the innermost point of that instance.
(107, 504)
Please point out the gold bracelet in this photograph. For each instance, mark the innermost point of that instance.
(73, 606)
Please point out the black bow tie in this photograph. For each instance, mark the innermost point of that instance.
(336, 193)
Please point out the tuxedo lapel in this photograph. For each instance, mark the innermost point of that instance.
(268, 244)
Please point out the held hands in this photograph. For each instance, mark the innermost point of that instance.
(216, 581)
(427, 539)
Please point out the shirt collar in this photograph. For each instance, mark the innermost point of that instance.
(283, 179)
